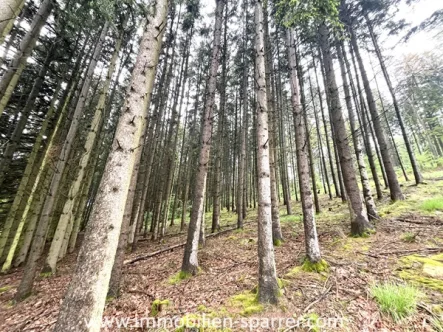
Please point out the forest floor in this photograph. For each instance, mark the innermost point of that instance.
(408, 240)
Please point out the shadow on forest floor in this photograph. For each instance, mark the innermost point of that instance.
(405, 248)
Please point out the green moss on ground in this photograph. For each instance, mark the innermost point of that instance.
(423, 271)
(248, 302)
(158, 305)
(321, 266)
(178, 277)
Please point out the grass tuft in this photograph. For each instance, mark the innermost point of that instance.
(4, 289)
(433, 204)
(398, 301)
(409, 237)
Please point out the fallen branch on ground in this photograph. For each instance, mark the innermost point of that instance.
(171, 248)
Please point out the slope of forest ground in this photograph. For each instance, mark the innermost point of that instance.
(408, 239)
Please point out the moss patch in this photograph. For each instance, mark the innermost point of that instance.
(158, 305)
(248, 303)
(424, 271)
(178, 277)
(321, 266)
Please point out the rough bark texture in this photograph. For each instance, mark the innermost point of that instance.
(190, 260)
(415, 168)
(359, 220)
(85, 299)
(311, 238)
(277, 235)
(43, 224)
(67, 217)
(267, 277)
(367, 194)
(393, 183)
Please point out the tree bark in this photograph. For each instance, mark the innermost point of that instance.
(359, 220)
(311, 237)
(10, 78)
(394, 186)
(369, 201)
(267, 276)
(84, 301)
(415, 168)
(190, 259)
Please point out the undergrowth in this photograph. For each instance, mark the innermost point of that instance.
(396, 300)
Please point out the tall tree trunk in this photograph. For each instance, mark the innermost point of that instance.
(190, 260)
(13, 143)
(320, 141)
(370, 205)
(67, 217)
(277, 235)
(394, 186)
(311, 237)
(359, 220)
(363, 125)
(10, 78)
(328, 146)
(415, 168)
(267, 276)
(85, 299)
(40, 236)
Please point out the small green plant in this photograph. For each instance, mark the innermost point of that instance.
(398, 301)
(433, 204)
(311, 320)
(179, 276)
(409, 237)
(4, 289)
(157, 306)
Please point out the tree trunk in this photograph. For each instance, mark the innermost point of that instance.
(43, 224)
(415, 168)
(85, 299)
(9, 10)
(394, 186)
(267, 278)
(190, 260)
(311, 237)
(277, 236)
(370, 205)
(359, 220)
(10, 78)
